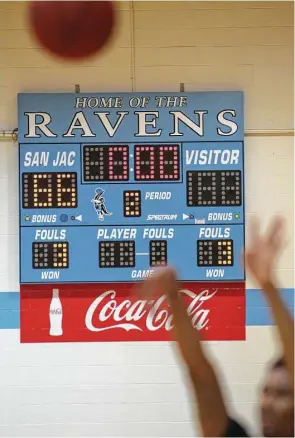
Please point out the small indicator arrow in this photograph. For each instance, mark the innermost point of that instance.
(185, 216)
(79, 218)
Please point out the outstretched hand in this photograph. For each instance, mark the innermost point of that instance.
(162, 282)
(263, 250)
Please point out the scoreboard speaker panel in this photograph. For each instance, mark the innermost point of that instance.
(104, 254)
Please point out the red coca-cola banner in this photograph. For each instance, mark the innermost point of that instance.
(113, 312)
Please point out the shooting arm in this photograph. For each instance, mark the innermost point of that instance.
(284, 323)
(211, 408)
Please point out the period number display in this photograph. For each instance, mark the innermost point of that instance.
(49, 190)
(132, 203)
(215, 253)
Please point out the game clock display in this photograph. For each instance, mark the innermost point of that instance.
(111, 163)
(109, 195)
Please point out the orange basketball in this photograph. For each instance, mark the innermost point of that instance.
(72, 29)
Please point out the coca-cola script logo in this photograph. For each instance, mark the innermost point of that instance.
(130, 315)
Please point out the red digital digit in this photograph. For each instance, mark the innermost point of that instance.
(169, 162)
(118, 162)
(145, 163)
(106, 163)
(156, 163)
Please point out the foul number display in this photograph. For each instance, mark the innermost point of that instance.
(215, 253)
(158, 253)
(49, 255)
(119, 254)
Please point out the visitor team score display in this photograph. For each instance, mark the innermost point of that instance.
(113, 186)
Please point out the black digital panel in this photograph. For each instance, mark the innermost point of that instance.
(215, 253)
(158, 252)
(214, 188)
(106, 163)
(132, 203)
(157, 163)
(50, 255)
(119, 254)
(49, 190)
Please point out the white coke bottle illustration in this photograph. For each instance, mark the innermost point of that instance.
(55, 314)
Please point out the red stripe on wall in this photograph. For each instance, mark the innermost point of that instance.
(113, 312)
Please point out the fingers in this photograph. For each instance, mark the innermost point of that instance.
(158, 283)
(147, 288)
(254, 229)
(274, 236)
(249, 260)
(275, 233)
(245, 261)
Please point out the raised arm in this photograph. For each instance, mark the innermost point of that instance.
(211, 408)
(260, 257)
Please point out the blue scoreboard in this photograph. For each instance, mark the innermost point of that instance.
(113, 186)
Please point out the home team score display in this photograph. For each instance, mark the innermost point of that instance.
(114, 186)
